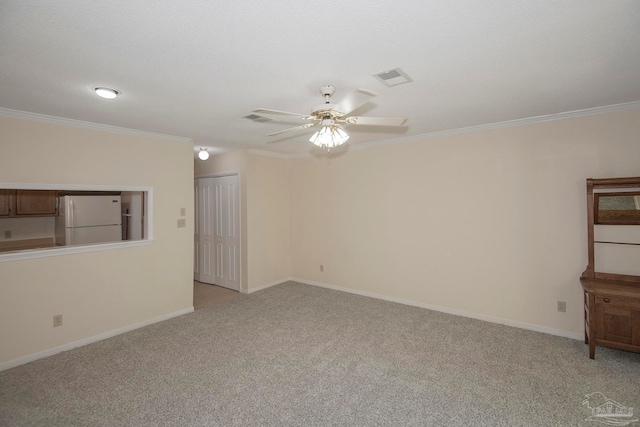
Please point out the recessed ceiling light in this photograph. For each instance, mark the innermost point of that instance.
(106, 92)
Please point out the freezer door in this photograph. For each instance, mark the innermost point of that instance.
(87, 211)
(87, 235)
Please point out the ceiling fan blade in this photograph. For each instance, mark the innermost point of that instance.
(280, 113)
(354, 100)
(375, 121)
(308, 125)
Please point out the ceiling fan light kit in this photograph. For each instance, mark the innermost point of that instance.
(329, 116)
(329, 136)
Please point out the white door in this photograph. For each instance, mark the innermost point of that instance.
(196, 235)
(204, 256)
(226, 232)
(217, 240)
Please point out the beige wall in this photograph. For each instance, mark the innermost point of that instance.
(268, 223)
(489, 223)
(103, 291)
(264, 207)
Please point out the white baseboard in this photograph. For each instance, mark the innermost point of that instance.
(507, 322)
(35, 356)
(537, 328)
(268, 285)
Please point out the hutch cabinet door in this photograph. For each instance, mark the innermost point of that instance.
(618, 319)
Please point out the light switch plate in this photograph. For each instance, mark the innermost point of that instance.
(183, 211)
(182, 223)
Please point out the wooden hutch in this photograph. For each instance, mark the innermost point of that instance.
(611, 281)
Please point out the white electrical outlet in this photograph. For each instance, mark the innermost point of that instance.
(182, 223)
(562, 306)
(57, 320)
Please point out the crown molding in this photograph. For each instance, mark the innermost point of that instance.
(502, 125)
(17, 114)
(362, 146)
(489, 126)
(268, 153)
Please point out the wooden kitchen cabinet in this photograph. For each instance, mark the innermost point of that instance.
(611, 282)
(35, 202)
(21, 203)
(4, 203)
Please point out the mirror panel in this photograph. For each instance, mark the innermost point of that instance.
(617, 208)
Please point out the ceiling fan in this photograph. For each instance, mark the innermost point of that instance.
(329, 116)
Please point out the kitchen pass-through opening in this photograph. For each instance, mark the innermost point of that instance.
(43, 219)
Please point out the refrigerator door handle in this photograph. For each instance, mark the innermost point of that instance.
(70, 213)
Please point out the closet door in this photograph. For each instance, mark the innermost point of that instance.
(216, 234)
(226, 232)
(204, 258)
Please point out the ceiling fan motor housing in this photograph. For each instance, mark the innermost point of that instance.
(324, 110)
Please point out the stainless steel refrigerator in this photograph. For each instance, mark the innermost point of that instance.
(84, 219)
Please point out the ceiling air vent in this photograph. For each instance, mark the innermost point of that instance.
(393, 77)
(257, 118)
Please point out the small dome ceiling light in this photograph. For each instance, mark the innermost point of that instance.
(106, 92)
(203, 154)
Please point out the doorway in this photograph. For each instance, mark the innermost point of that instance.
(216, 231)
(207, 295)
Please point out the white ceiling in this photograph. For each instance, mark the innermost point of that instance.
(195, 68)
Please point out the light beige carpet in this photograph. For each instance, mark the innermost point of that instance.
(297, 355)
